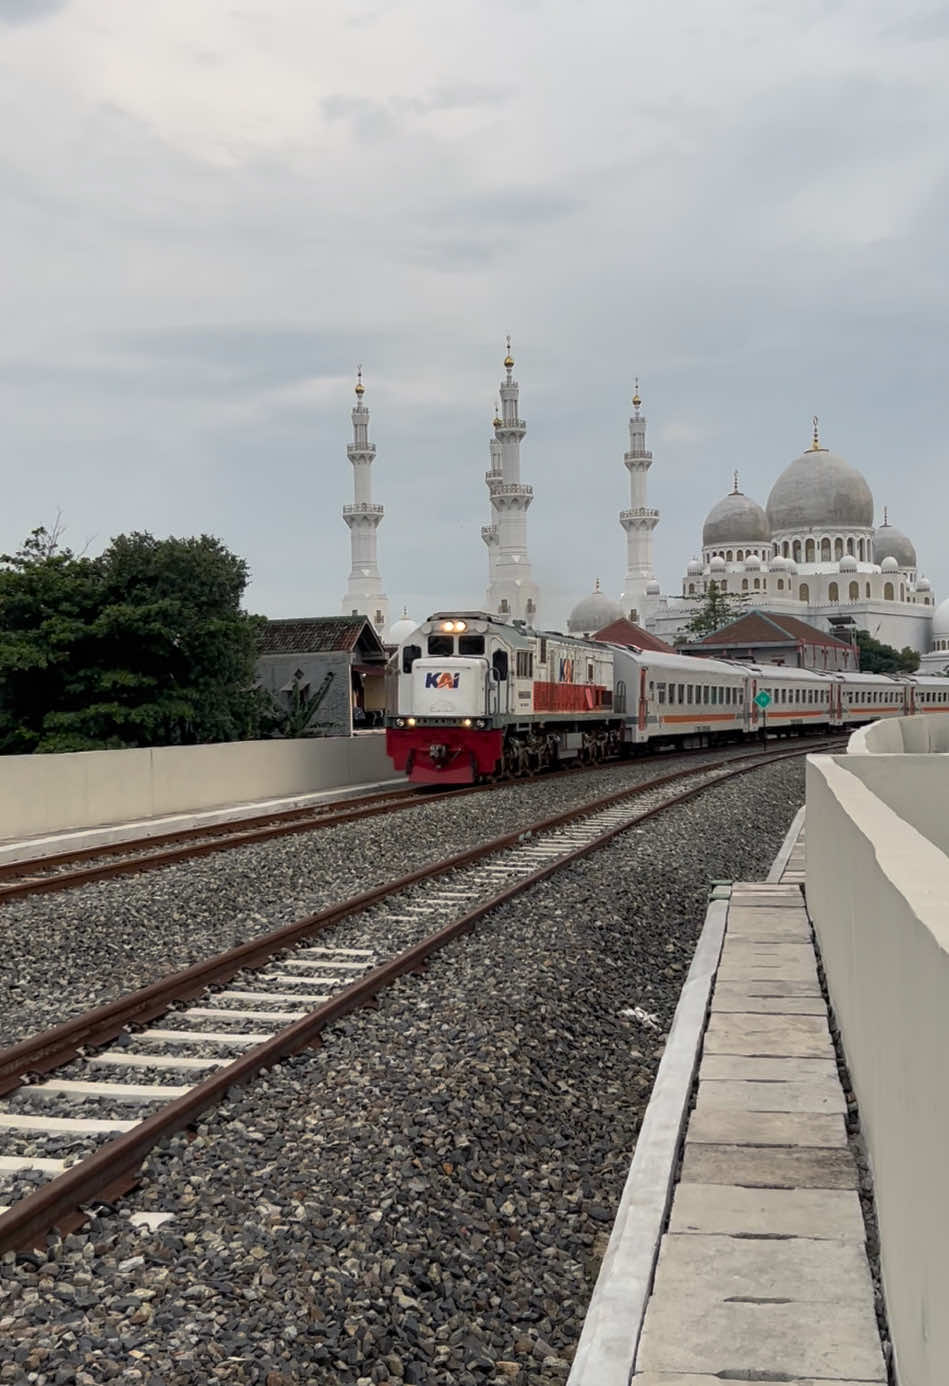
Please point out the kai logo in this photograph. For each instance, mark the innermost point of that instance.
(435, 680)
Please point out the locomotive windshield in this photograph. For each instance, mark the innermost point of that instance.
(471, 644)
(441, 644)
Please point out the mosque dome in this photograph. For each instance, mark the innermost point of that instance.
(694, 568)
(401, 629)
(848, 564)
(924, 585)
(819, 490)
(593, 613)
(940, 629)
(736, 519)
(890, 542)
(717, 564)
(889, 565)
(753, 564)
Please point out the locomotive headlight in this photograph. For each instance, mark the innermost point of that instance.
(448, 625)
(461, 625)
(411, 721)
(466, 722)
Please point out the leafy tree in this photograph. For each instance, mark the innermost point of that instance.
(718, 609)
(877, 658)
(144, 646)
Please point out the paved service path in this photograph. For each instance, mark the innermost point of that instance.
(762, 1272)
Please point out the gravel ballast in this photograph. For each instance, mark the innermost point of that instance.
(427, 1196)
(65, 953)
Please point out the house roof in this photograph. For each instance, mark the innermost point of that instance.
(321, 634)
(761, 628)
(627, 633)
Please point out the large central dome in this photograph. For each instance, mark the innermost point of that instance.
(819, 490)
(736, 519)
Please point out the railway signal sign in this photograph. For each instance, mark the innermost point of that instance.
(763, 698)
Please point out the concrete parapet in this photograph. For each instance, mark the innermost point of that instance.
(45, 794)
(920, 735)
(878, 895)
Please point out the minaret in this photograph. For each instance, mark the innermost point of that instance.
(639, 520)
(512, 592)
(364, 594)
(493, 478)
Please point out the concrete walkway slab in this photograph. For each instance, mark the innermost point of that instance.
(690, 1379)
(775, 986)
(716, 1126)
(783, 1070)
(797, 1339)
(795, 1036)
(821, 1214)
(761, 1095)
(769, 1167)
(774, 1005)
(733, 1268)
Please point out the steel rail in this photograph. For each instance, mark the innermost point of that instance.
(111, 1170)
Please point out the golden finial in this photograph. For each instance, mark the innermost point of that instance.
(735, 490)
(498, 421)
(636, 400)
(509, 359)
(815, 445)
(360, 387)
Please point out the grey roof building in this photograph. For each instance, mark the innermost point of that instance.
(336, 664)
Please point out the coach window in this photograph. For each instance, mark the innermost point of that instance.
(661, 692)
(542, 652)
(410, 654)
(524, 664)
(441, 644)
(471, 644)
(681, 692)
(705, 693)
(499, 664)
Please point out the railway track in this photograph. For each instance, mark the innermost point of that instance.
(68, 870)
(85, 1134)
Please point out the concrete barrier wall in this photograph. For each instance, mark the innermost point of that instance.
(878, 893)
(923, 734)
(901, 761)
(46, 794)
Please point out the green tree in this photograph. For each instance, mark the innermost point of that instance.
(718, 609)
(146, 645)
(877, 658)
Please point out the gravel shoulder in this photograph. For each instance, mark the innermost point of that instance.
(65, 953)
(426, 1197)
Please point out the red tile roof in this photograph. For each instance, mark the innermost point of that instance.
(761, 628)
(625, 632)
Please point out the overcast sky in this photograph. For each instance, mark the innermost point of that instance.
(212, 211)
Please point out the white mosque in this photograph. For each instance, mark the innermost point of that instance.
(812, 551)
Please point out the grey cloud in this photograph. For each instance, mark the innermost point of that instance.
(29, 11)
(461, 97)
(922, 27)
(370, 120)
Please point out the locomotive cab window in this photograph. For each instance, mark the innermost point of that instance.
(499, 664)
(410, 654)
(524, 664)
(441, 644)
(542, 652)
(471, 644)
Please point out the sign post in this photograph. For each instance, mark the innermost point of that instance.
(763, 699)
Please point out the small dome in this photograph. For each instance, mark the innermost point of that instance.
(401, 629)
(924, 585)
(889, 565)
(819, 489)
(694, 568)
(652, 588)
(941, 620)
(778, 564)
(593, 613)
(735, 520)
(889, 542)
(848, 564)
(717, 565)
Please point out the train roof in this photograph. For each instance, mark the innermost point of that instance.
(686, 665)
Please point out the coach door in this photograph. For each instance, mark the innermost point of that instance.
(642, 709)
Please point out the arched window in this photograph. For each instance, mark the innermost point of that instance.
(723, 586)
(780, 584)
(691, 589)
(825, 550)
(797, 550)
(868, 589)
(854, 591)
(757, 584)
(888, 591)
(838, 548)
(744, 584)
(832, 593)
(740, 555)
(728, 556)
(785, 550)
(804, 593)
(809, 551)
(860, 551)
(850, 547)
(902, 592)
